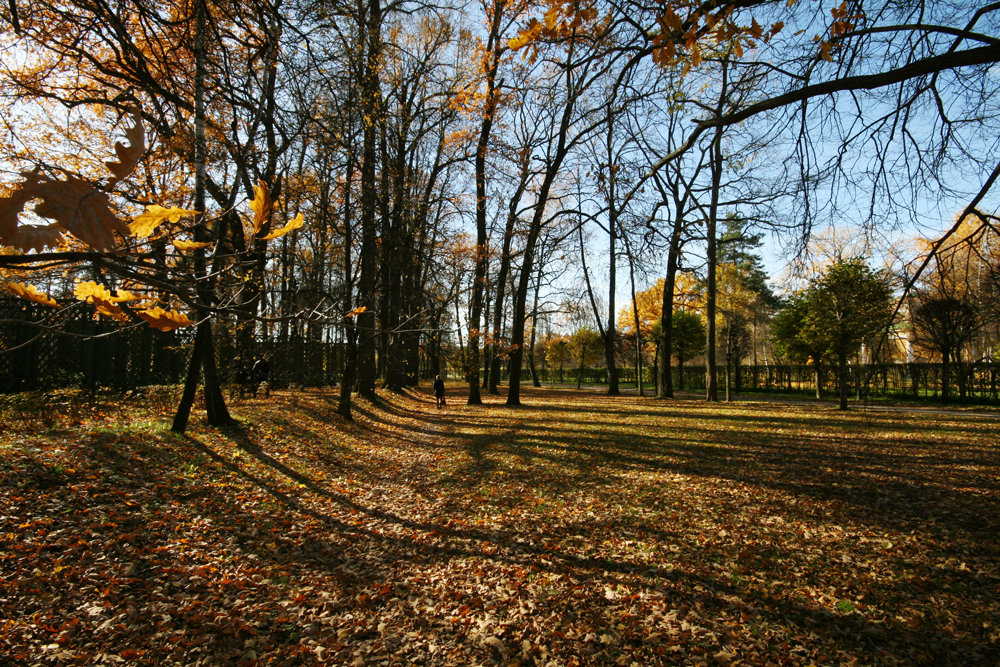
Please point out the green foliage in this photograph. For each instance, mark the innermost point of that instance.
(840, 310)
(846, 306)
(688, 335)
(850, 303)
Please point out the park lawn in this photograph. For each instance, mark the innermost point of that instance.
(579, 529)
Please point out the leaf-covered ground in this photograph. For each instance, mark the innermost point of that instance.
(578, 530)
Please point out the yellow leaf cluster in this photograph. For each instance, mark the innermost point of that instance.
(31, 293)
(99, 295)
(164, 320)
(183, 246)
(262, 206)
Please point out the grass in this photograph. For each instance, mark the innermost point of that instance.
(579, 529)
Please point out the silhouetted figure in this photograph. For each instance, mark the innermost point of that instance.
(439, 391)
(261, 371)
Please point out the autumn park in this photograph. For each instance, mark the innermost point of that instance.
(495, 332)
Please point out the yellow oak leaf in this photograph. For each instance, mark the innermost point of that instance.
(260, 205)
(294, 223)
(111, 310)
(184, 246)
(164, 320)
(31, 293)
(146, 223)
(89, 290)
(124, 295)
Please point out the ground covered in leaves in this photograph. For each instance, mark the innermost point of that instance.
(580, 529)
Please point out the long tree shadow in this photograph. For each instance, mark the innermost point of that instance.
(513, 548)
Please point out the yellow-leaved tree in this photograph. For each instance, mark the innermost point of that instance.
(85, 228)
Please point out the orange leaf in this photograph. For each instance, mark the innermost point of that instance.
(128, 155)
(824, 51)
(77, 207)
(124, 295)
(35, 237)
(357, 311)
(164, 320)
(112, 311)
(31, 293)
(10, 208)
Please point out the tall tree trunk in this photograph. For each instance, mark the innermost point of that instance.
(190, 384)
(350, 360)
(534, 329)
(665, 380)
(534, 230)
(711, 381)
(635, 318)
(612, 328)
(203, 355)
(842, 378)
(370, 18)
(946, 357)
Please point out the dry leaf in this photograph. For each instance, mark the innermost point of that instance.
(90, 291)
(35, 237)
(128, 155)
(10, 208)
(77, 207)
(124, 295)
(31, 293)
(104, 303)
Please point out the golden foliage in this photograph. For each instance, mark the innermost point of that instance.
(294, 223)
(164, 320)
(261, 205)
(99, 295)
(183, 246)
(31, 293)
(146, 223)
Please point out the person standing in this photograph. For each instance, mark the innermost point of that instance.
(261, 374)
(439, 391)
